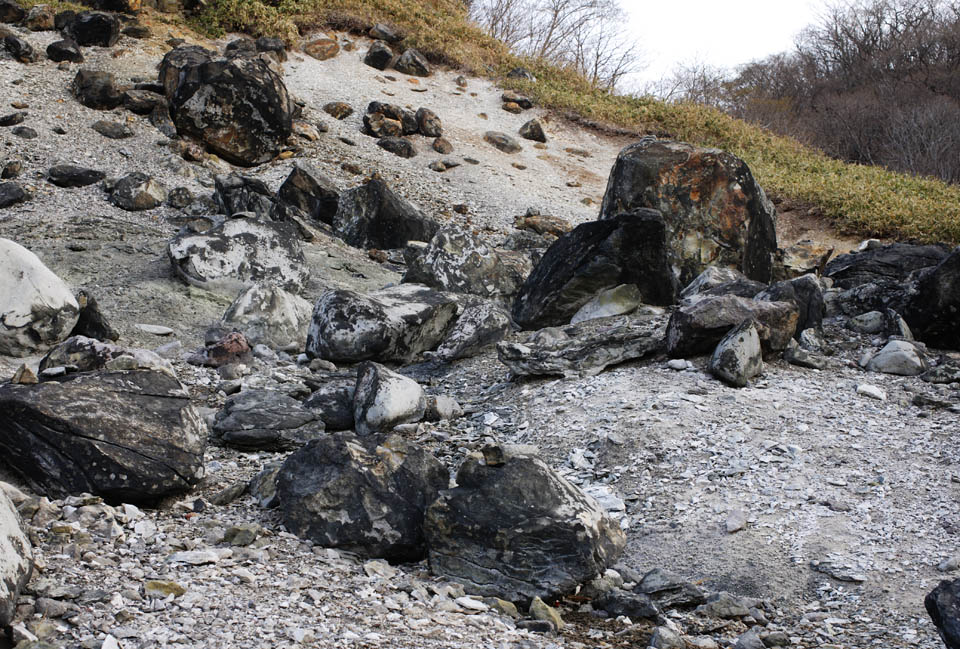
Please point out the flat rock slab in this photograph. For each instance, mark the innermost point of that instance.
(585, 349)
(265, 419)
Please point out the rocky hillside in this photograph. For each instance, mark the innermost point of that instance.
(335, 347)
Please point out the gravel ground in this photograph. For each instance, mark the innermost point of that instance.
(849, 504)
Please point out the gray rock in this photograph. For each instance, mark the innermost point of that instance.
(696, 328)
(11, 194)
(669, 590)
(899, 357)
(265, 420)
(620, 300)
(871, 322)
(724, 606)
(636, 606)
(665, 638)
(129, 436)
(112, 130)
(270, 316)
(309, 190)
(365, 495)
(947, 372)
(413, 63)
(87, 354)
(806, 293)
(750, 640)
(533, 130)
(236, 194)
(428, 123)
(585, 349)
(384, 399)
(502, 141)
(479, 325)
(239, 253)
(138, 191)
(737, 357)
(263, 486)
(373, 216)
(37, 310)
(393, 324)
(795, 354)
(95, 89)
(16, 560)
(513, 528)
(442, 408)
(73, 176)
(333, 404)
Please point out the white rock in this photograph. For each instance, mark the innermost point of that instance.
(16, 559)
(271, 316)
(615, 301)
(898, 357)
(384, 399)
(156, 330)
(37, 309)
(871, 391)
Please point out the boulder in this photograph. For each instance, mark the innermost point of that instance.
(428, 123)
(95, 89)
(308, 189)
(236, 194)
(11, 194)
(20, 49)
(65, 50)
(364, 495)
(11, 12)
(37, 310)
(584, 349)
(93, 28)
(619, 300)
(398, 146)
(737, 357)
(239, 107)
(943, 607)
(176, 61)
(533, 130)
(373, 216)
(137, 192)
(669, 590)
(73, 176)
(239, 253)
(84, 354)
(395, 117)
(265, 420)
(129, 436)
(91, 322)
(16, 560)
(806, 293)
(413, 63)
(714, 210)
(477, 327)
(456, 260)
(933, 309)
(502, 141)
(712, 277)
(384, 399)
(333, 404)
(392, 324)
(270, 316)
(379, 55)
(894, 263)
(697, 328)
(899, 357)
(594, 257)
(322, 49)
(513, 528)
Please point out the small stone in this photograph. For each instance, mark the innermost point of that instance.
(872, 391)
(736, 521)
(112, 130)
(24, 376)
(156, 330)
(161, 589)
(539, 610)
(241, 535)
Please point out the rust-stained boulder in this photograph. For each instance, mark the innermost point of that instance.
(715, 211)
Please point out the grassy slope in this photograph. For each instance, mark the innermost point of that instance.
(868, 201)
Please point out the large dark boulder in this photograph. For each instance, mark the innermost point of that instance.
(308, 189)
(715, 211)
(95, 89)
(235, 193)
(697, 327)
(943, 606)
(176, 61)
(513, 528)
(19, 49)
(16, 560)
(365, 495)
(392, 324)
(478, 326)
(933, 308)
(89, 28)
(627, 249)
(894, 263)
(129, 436)
(265, 420)
(806, 293)
(239, 107)
(11, 12)
(333, 404)
(373, 216)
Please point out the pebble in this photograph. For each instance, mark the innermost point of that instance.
(871, 391)
(156, 330)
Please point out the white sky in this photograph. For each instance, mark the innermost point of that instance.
(722, 33)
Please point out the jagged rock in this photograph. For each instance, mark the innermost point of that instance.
(96, 89)
(477, 327)
(442, 408)
(456, 260)
(89, 28)
(669, 590)
(338, 109)
(797, 355)
(385, 32)
(20, 49)
(933, 310)
(715, 211)
(11, 194)
(872, 296)
(112, 130)
(806, 293)
(65, 50)
(378, 56)
(943, 607)
(617, 602)
(270, 316)
(696, 328)
(333, 404)
(544, 224)
(619, 300)
(382, 120)
(11, 12)
(384, 399)
(392, 324)
(89, 354)
(129, 436)
(502, 141)
(373, 216)
(365, 495)
(805, 257)
(413, 63)
(899, 357)
(895, 263)
(91, 322)
(39, 19)
(37, 310)
(239, 253)
(265, 420)
(16, 559)
(428, 123)
(511, 97)
(322, 49)
(236, 194)
(585, 349)
(712, 277)
(309, 190)
(737, 357)
(533, 130)
(595, 256)
(138, 191)
(141, 101)
(238, 107)
(176, 61)
(398, 146)
(490, 535)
